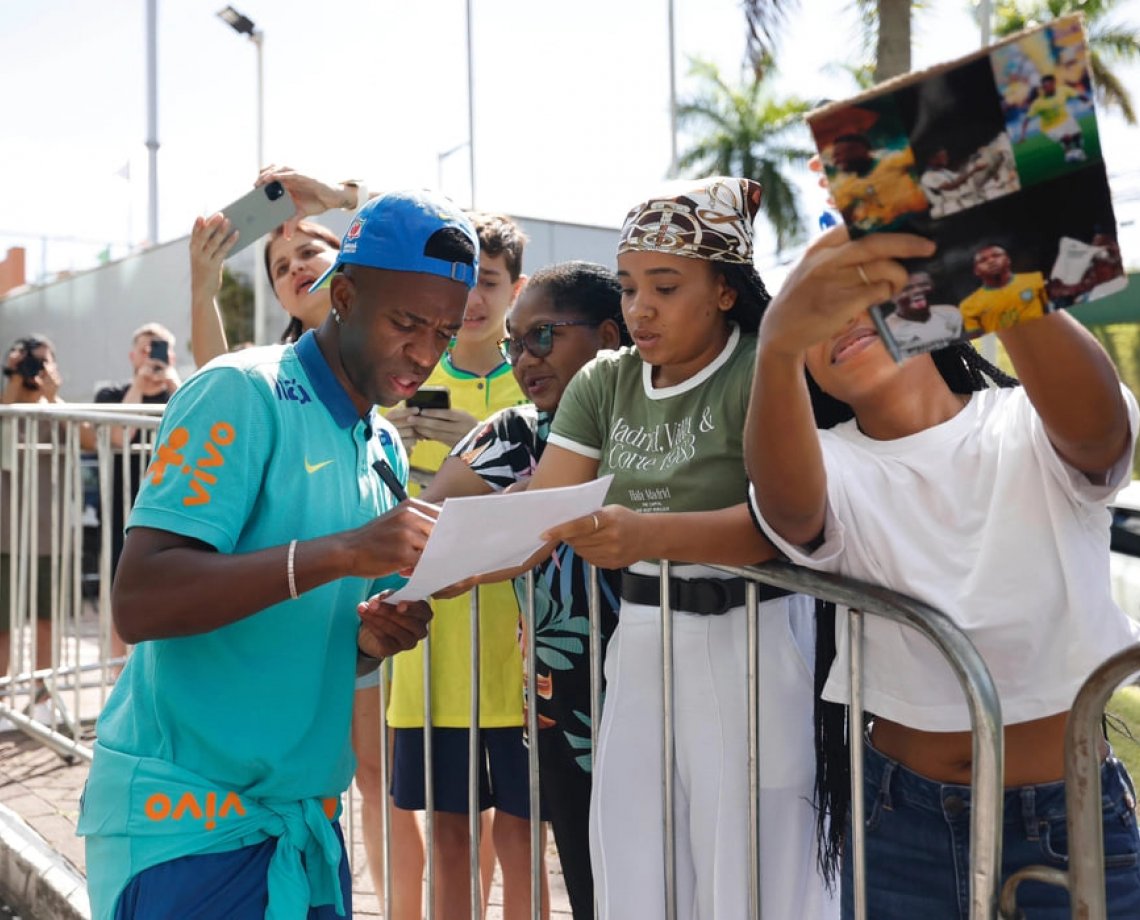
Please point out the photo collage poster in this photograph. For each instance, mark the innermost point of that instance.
(996, 157)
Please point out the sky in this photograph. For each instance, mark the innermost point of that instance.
(571, 105)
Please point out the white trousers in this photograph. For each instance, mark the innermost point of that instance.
(711, 768)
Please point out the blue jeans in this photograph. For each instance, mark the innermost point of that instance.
(918, 845)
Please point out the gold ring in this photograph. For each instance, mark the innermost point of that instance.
(596, 524)
(862, 273)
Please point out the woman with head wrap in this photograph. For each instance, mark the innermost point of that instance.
(666, 417)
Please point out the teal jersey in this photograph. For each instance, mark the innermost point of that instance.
(259, 448)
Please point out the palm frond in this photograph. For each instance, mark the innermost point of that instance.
(747, 131)
(1111, 93)
(765, 19)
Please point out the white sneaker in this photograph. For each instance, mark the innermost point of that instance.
(43, 712)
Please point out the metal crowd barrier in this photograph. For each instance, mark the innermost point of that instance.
(72, 445)
(862, 599)
(1084, 816)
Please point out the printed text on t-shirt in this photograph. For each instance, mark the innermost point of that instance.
(659, 447)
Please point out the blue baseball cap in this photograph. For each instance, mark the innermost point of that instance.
(392, 232)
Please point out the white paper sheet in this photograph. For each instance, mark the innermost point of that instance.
(486, 533)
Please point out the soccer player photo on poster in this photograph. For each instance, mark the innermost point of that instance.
(996, 157)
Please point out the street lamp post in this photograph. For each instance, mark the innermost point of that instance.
(470, 104)
(152, 120)
(243, 25)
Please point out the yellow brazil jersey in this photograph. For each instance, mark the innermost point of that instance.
(888, 191)
(1052, 110)
(990, 309)
(501, 672)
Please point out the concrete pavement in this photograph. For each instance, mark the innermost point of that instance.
(42, 861)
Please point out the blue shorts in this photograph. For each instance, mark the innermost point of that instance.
(504, 782)
(206, 886)
(918, 845)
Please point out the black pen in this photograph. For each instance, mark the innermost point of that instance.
(391, 480)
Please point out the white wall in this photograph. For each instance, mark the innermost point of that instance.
(90, 316)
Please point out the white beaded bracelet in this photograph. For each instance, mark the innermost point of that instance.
(289, 568)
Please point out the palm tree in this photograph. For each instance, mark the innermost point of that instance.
(1109, 43)
(747, 132)
(886, 27)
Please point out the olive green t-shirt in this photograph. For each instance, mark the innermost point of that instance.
(677, 448)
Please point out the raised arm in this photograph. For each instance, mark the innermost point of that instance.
(210, 243)
(1074, 388)
(312, 196)
(832, 286)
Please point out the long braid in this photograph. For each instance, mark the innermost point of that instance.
(965, 371)
(832, 757)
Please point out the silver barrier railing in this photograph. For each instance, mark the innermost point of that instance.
(49, 454)
(861, 599)
(1084, 816)
(74, 429)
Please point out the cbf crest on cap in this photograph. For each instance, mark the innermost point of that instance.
(393, 231)
(711, 221)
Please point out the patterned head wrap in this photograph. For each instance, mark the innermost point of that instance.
(712, 221)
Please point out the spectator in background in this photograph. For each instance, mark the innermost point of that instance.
(296, 254)
(30, 376)
(153, 380)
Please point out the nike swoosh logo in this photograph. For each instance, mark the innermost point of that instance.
(313, 467)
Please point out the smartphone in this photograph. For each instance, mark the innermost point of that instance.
(159, 351)
(257, 213)
(429, 398)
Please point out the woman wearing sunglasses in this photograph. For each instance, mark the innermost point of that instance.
(564, 316)
(666, 417)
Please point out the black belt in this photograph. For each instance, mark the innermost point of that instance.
(704, 596)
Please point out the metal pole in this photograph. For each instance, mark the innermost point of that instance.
(985, 20)
(855, 747)
(667, 745)
(595, 672)
(152, 120)
(752, 612)
(532, 755)
(385, 798)
(470, 105)
(672, 93)
(473, 764)
(429, 784)
(260, 294)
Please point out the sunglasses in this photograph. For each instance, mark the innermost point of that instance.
(539, 340)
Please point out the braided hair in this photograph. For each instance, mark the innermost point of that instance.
(965, 371)
(752, 297)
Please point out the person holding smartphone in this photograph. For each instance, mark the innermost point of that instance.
(30, 375)
(154, 379)
(298, 252)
